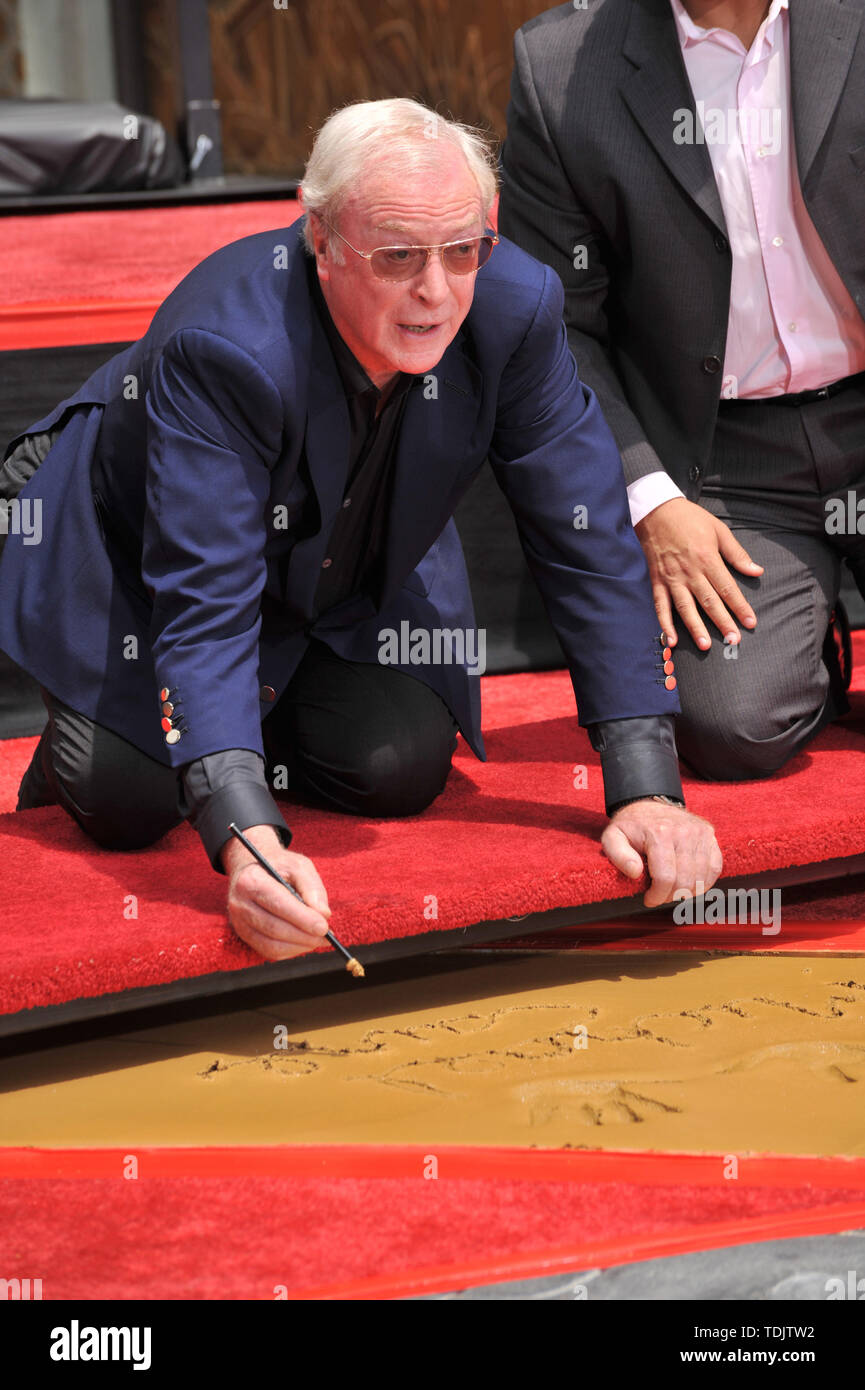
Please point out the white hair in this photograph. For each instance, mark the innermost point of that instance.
(399, 130)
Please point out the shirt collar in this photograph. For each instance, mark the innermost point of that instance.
(691, 33)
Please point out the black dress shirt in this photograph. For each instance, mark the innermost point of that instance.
(231, 785)
(356, 548)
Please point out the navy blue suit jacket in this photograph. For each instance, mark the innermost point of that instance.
(183, 536)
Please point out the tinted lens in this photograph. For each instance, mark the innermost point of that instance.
(398, 262)
(485, 249)
(403, 262)
(464, 257)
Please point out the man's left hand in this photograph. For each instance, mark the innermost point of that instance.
(679, 849)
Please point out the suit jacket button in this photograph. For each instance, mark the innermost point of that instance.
(666, 653)
(711, 365)
(669, 668)
(267, 693)
(167, 708)
(166, 725)
(721, 243)
(694, 472)
(670, 682)
(172, 736)
(164, 693)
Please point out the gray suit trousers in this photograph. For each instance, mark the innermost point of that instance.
(787, 479)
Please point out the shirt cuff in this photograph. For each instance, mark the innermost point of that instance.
(638, 758)
(649, 492)
(224, 787)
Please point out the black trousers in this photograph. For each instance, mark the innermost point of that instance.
(356, 736)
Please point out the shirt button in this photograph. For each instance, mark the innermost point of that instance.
(762, 152)
(346, 502)
(268, 693)
(711, 365)
(794, 327)
(326, 564)
(777, 241)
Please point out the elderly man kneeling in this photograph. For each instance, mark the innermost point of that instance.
(241, 510)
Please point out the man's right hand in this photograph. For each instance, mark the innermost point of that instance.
(263, 913)
(686, 549)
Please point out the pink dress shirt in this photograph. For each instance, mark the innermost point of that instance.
(792, 326)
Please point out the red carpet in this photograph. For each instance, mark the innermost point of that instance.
(365, 1223)
(98, 277)
(506, 838)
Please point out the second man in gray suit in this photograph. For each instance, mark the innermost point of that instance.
(694, 170)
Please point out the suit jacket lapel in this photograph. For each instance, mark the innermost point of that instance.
(436, 437)
(327, 439)
(328, 428)
(822, 39)
(657, 88)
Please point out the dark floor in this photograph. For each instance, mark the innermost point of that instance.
(772, 1271)
(231, 188)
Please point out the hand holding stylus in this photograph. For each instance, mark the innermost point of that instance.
(263, 913)
(261, 908)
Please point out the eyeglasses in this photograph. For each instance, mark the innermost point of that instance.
(404, 262)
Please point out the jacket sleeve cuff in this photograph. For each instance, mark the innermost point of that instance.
(245, 804)
(638, 759)
(224, 787)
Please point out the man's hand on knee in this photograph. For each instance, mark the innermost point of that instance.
(679, 849)
(686, 549)
(263, 913)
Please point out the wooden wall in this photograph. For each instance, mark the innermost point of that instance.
(11, 74)
(281, 66)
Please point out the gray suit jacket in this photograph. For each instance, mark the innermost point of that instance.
(590, 161)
